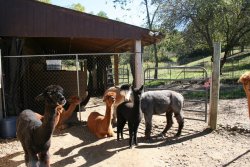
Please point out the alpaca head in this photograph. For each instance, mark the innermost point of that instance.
(52, 95)
(245, 80)
(74, 100)
(125, 90)
(136, 93)
(109, 98)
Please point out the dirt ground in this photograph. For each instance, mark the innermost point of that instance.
(229, 145)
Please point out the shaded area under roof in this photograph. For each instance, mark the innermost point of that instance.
(68, 31)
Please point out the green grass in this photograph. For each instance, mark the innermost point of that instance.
(235, 66)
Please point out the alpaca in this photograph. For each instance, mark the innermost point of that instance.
(122, 94)
(34, 134)
(101, 125)
(83, 103)
(245, 80)
(130, 111)
(163, 101)
(65, 115)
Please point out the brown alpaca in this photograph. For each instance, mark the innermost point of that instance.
(65, 115)
(245, 80)
(101, 125)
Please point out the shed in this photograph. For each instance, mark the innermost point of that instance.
(29, 27)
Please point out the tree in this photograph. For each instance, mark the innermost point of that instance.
(150, 21)
(45, 1)
(77, 7)
(102, 14)
(215, 20)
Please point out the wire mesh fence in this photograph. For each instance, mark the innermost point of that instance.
(24, 77)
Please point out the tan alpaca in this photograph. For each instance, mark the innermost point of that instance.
(122, 94)
(245, 80)
(65, 115)
(101, 125)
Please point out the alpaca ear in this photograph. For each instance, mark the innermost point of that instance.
(141, 88)
(40, 97)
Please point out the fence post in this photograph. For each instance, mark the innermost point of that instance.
(78, 86)
(215, 86)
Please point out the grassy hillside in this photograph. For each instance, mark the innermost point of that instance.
(235, 66)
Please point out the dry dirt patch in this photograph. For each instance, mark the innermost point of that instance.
(229, 145)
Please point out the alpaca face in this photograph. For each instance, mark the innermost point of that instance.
(110, 98)
(245, 80)
(137, 93)
(126, 91)
(53, 95)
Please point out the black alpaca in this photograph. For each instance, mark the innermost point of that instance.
(130, 111)
(35, 134)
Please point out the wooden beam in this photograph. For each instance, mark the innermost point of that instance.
(215, 86)
(138, 63)
(116, 69)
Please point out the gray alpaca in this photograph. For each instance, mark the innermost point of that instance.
(162, 101)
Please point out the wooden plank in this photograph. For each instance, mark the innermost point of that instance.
(215, 86)
(138, 64)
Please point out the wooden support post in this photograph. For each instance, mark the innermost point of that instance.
(215, 86)
(116, 69)
(1, 105)
(138, 64)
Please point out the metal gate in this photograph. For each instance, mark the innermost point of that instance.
(192, 82)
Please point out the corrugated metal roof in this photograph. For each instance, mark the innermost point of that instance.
(57, 27)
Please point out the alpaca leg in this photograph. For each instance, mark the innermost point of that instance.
(180, 121)
(120, 125)
(26, 155)
(110, 132)
(130, 128)
(148, 124)
(33, 160)
(169, 116)
(44, 159)
(135, 133)
(113, 121)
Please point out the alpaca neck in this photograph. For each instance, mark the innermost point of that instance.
(71, 108)
(248, 101)
(46, 129)
(136, 105)
(107, 117)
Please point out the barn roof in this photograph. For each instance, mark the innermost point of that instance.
(66, 30)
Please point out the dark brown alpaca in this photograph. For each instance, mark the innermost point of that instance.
(35, 134)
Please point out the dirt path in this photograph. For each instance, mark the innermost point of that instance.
(229, 145)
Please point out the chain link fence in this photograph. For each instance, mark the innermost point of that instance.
(25, 77)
